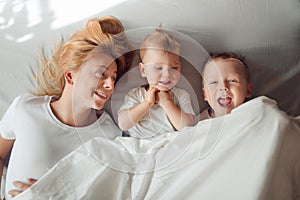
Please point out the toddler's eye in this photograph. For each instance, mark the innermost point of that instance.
(232, 81)
(174, 68)
(158, 67)
(213, 82)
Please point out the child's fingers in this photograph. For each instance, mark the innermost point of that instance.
(153, 89)
(153, 86)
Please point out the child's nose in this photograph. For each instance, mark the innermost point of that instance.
(166, 73)
(223, 86)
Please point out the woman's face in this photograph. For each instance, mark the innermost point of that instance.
(94, 82)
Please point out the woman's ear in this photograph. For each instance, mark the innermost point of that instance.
(204, 93)
(69, 76)
(249, 90)
(142, 69)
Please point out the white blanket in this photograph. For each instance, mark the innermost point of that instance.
(252, 153)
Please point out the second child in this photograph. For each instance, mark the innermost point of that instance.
(226, 84)
(158, 107)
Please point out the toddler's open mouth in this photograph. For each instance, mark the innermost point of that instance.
(224, 101)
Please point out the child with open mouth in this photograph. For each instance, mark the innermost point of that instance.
(226, 84)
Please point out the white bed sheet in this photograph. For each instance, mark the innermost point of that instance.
(250, 154)
(265, 31)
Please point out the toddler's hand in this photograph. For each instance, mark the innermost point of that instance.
(150, 95)
(163, 97)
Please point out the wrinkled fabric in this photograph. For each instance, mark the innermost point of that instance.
(251, 153)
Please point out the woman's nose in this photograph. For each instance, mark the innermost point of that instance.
(108, 84)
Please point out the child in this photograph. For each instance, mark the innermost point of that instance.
(74, 86)
(226, 84)
(159, 107)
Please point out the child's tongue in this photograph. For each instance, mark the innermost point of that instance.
(224, 101)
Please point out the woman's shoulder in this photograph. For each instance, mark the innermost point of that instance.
(27, 98)
(31, 97)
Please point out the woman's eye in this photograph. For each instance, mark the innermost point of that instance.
(99, 73)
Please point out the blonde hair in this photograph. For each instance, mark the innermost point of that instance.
(159, 40)
(104, 35)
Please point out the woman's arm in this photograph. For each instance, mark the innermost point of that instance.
(5, 147)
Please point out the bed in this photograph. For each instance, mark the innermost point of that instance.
(266, 32)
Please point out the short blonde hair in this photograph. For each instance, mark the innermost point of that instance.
(160, 40)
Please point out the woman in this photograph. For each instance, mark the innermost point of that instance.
(73, 85)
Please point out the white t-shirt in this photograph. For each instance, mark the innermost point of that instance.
(41, 140)
(155, 122)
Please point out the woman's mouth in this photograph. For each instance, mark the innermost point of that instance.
(224, 101)
(102, 95)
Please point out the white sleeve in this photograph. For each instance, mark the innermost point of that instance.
(131, 99)
(185, 102)
(7, 121)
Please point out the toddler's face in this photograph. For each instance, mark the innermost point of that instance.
(161, 69)
(225, 85)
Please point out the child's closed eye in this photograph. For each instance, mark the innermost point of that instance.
(212, 82)
(174, 68)
(232, 81)
(158, 67)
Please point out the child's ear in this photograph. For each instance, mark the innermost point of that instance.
(142, 69)
(69, 76)
(249, 90)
